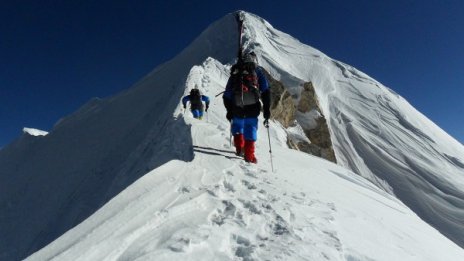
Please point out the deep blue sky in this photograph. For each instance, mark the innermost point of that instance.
(56, 55)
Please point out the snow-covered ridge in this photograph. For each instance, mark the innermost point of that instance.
(217, 207)
(185, 196)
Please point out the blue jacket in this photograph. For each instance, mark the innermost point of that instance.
(194, 105)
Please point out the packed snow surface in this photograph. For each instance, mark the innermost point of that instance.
(217, 207)
(134, 177)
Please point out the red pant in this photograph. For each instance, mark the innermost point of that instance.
(245, 146)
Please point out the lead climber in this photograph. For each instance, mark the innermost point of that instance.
(247, 84)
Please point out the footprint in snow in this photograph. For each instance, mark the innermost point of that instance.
(248, 185)
(251, 207)
(181, 245)
(280, 228)
(244, 248)
(213, 191)
(219, 216)
(228, 186)
(249, 169)
(251, 174)
(298, 199)
(217, 219)
(332, 206)
(184, 189)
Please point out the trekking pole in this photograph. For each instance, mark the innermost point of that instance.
(230, 135)
(266, 124)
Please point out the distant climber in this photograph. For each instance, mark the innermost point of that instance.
(196, 100)
(247, 84)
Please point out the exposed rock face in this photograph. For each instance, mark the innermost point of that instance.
(283, 107)
(305, 111)
(321, 144)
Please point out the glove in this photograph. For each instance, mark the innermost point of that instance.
(266, 123)
(229, 116)
(206, 109)
(185, 106)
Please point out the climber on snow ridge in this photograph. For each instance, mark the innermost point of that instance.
(196, 100)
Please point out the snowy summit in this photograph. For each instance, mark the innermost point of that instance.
(359, 174)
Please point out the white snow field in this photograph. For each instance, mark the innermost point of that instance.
(133, 177)
(217, 207)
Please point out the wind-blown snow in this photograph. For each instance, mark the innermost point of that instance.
(218, 207)
(149, 182)
(376, 133)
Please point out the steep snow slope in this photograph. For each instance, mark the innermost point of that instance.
(217, 207)
(375, 132)
(50, 184)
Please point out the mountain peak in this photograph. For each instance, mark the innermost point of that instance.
(138, 177)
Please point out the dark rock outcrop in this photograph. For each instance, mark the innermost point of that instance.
(290, 110)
